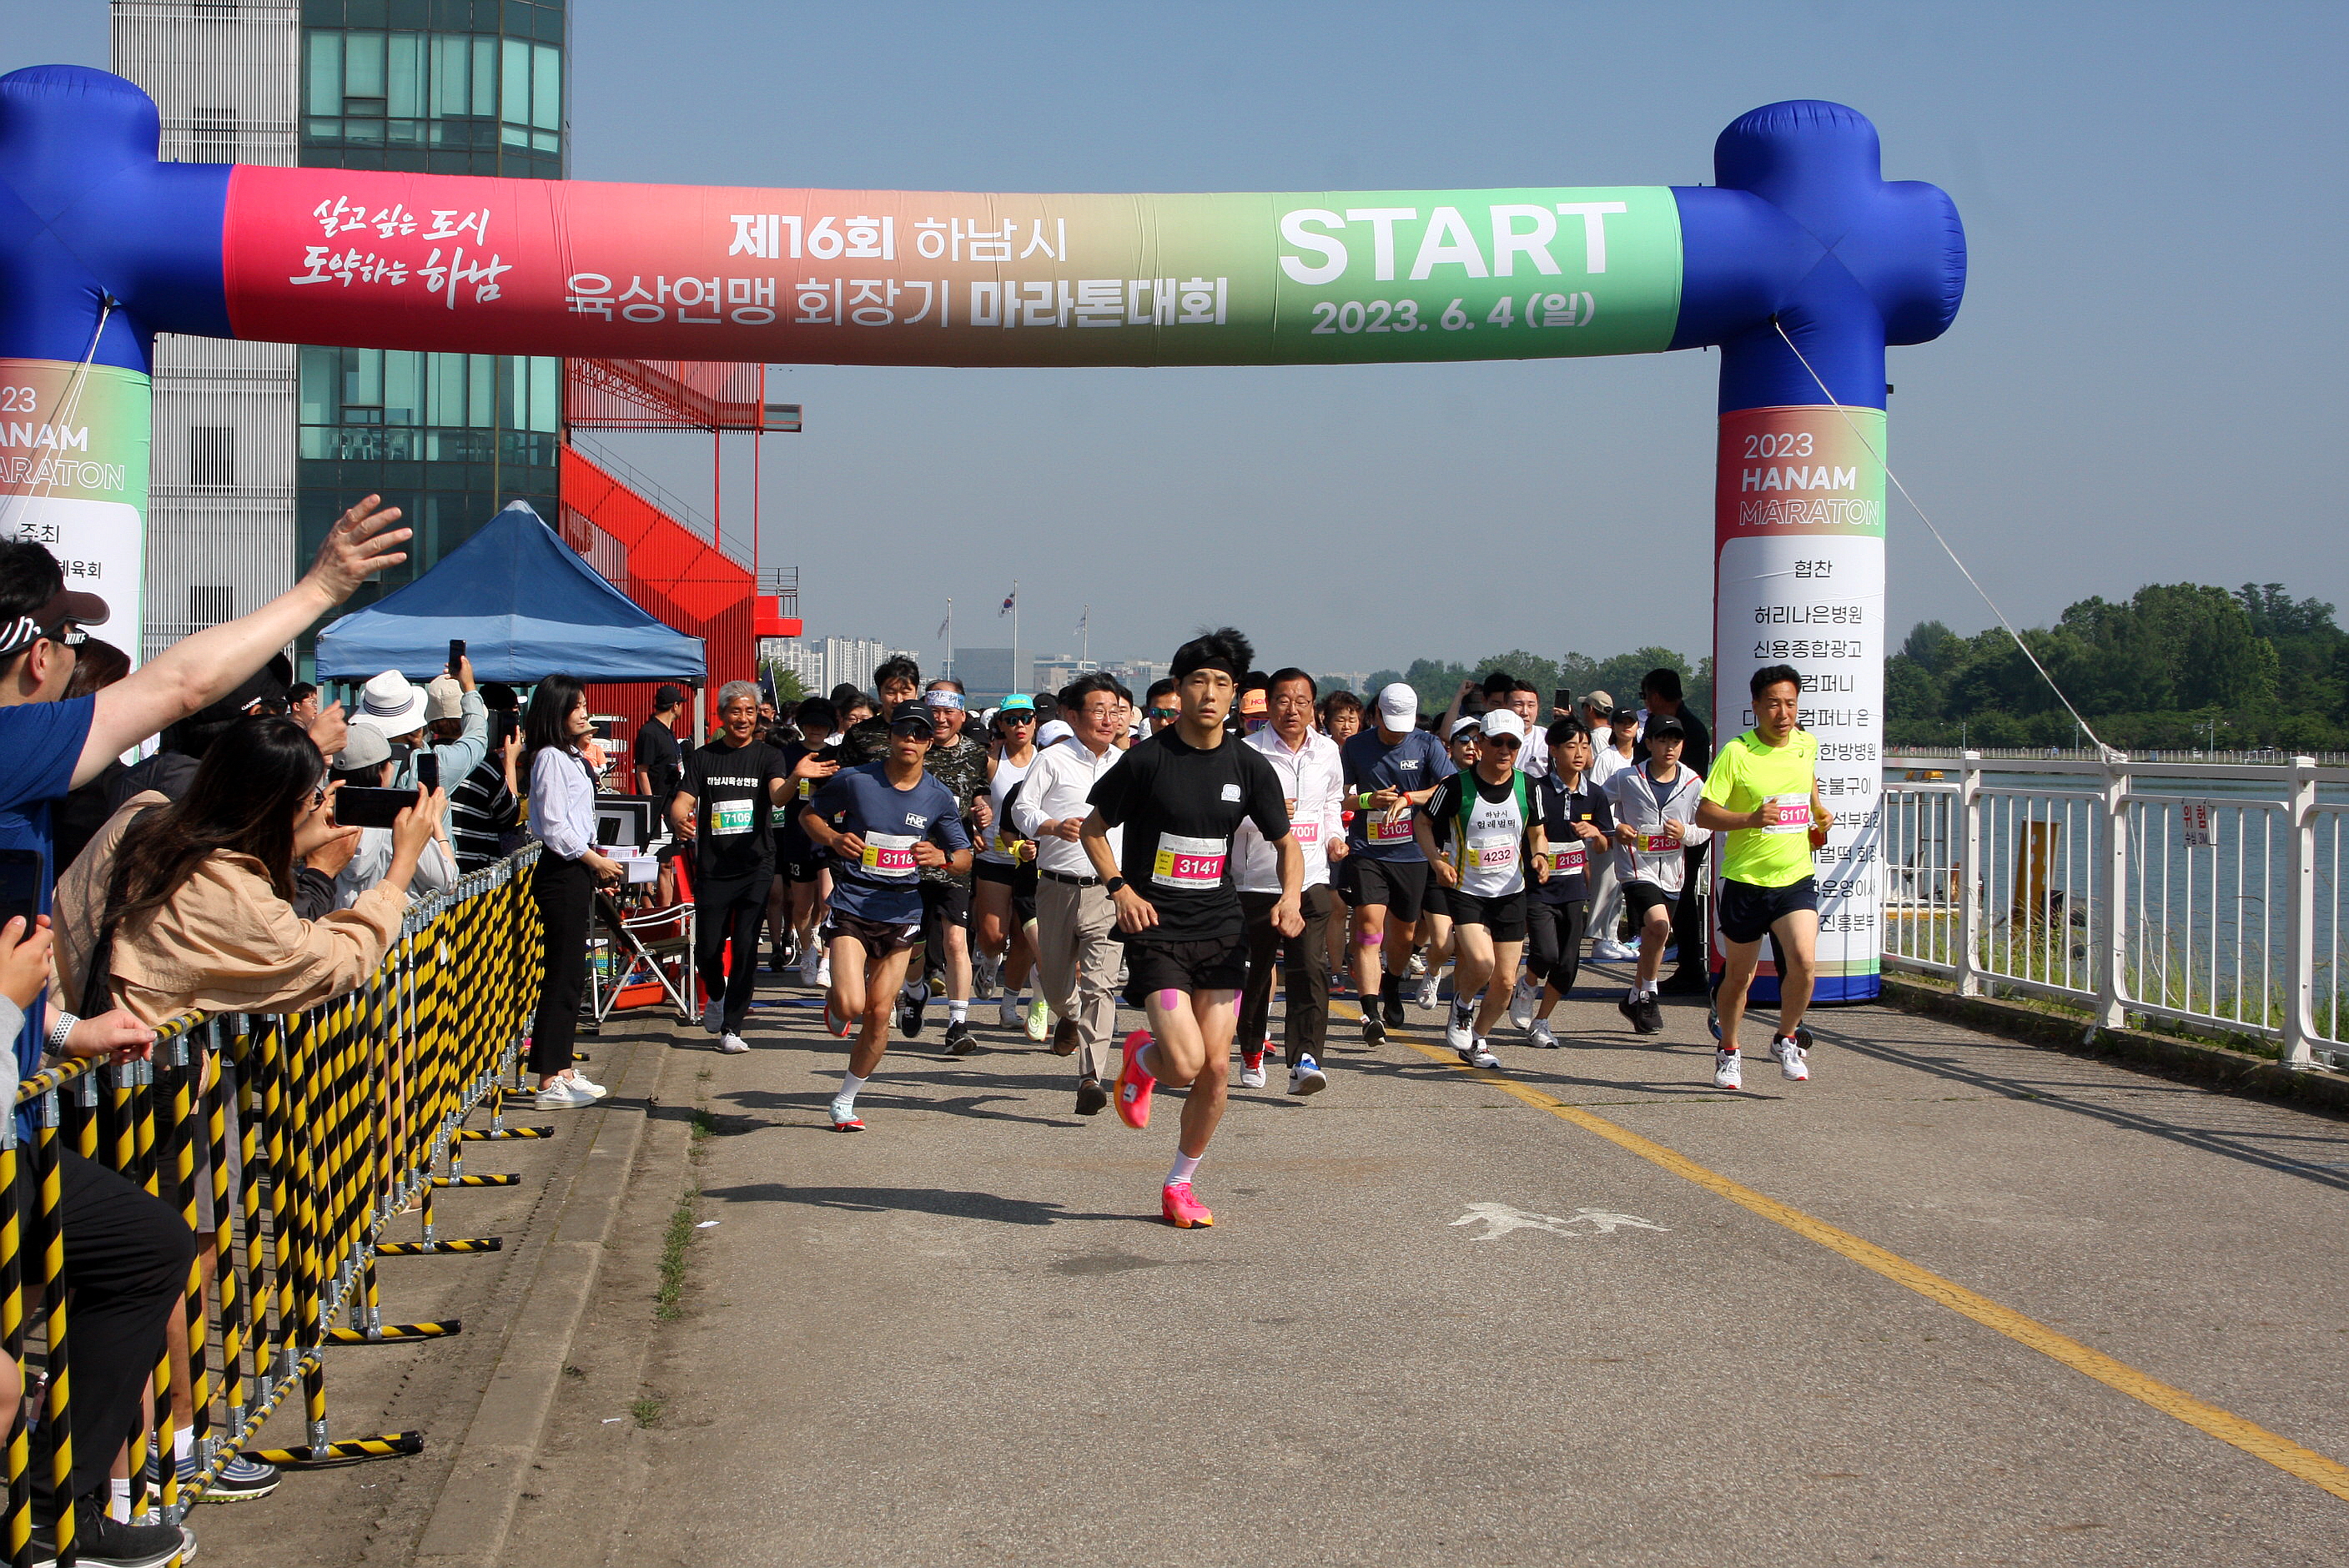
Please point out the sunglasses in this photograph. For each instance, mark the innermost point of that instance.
(68, 632)
(1165, 712)
(1508, 742)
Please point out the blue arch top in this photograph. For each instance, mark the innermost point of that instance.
(1800, 231)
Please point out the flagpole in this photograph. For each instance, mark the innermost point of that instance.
(1085, 653)
(1015, 633)
(949, 634)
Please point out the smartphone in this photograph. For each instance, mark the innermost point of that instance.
(357, 808)
(509, 725)
(427, 768)
(1562, 700)
(20, 885)
(456, 654)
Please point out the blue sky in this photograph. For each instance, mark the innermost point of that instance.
(2140, 386)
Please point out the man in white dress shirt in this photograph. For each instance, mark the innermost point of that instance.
(1312, 779)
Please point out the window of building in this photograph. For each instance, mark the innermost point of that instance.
(397, 96)
(211, 456)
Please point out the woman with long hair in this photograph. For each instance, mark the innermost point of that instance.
(556, 733)
(192, 901)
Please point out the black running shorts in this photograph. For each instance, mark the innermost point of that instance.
(1399, 885)
(1503, 915)
(878, 938)
(1747, 912)
(1639, 897)
(1187, 966)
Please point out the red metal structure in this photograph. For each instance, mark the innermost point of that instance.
(687, 580)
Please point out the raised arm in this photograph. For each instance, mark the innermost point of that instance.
(201, 669)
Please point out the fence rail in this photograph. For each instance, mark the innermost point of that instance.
(308, 1134)
(2112, 887)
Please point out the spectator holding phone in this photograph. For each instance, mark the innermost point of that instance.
(366, 764)
(485, 808)
(559, 739)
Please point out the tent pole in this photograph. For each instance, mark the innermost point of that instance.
(700, 712)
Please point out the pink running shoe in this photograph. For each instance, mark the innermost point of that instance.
(1134, 1085)
(1183, 1210)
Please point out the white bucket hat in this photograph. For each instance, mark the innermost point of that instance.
(391, 703)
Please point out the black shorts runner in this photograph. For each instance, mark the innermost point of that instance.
(1639, 897)
(1503, 914)
(879, 938)
(1401, 887)
(1186, 967)
(1748, 912)
(805, 870)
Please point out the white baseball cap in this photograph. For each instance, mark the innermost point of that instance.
(1503, 721)
(1053, 734)
(1399, 706)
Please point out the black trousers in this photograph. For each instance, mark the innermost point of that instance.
(1553, 941)
(1688, 918)
(729, 911)
(1305, 966)
(566, 892)
(126, 1263)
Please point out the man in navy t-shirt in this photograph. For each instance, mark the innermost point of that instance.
(881, 824)
(1392, 767)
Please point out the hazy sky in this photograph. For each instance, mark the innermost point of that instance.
(2137, 388)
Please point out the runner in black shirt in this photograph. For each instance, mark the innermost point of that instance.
(1180, 796)
(735, 789)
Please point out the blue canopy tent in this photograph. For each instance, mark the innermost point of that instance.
(527, 605)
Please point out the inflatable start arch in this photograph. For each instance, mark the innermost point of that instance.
(1801, 246)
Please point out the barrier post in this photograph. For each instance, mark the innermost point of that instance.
(1969, 899)
(2300, 931)
(2111, 929)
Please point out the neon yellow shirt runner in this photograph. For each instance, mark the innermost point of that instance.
(1748, 775)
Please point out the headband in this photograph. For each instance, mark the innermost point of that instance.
(1214, 662)
(945, 697)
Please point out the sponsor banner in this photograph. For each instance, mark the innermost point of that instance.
(74, 442)
(341, 256)
(1798, 529)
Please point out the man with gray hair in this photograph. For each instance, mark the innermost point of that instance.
(734, 790)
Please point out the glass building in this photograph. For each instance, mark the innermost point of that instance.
(442, 86)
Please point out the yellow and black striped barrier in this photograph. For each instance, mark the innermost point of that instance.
(288, 1145)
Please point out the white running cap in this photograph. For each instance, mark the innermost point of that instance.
(1053, 734)
(1399, 706)
(1503, 721)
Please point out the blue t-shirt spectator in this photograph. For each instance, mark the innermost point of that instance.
(40, 746)
(885, 886)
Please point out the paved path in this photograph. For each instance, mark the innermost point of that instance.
(1438, 1323)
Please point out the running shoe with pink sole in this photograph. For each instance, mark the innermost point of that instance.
(1134, 1086)
(1183, 1210)
(832, 1022)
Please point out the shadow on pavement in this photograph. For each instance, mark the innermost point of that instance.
(942, 1200)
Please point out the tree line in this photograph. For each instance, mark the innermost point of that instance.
(2176, 665)
(1437, 681)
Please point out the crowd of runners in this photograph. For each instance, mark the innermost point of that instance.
(1235, 833)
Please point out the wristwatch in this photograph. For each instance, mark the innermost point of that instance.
(1111, 885)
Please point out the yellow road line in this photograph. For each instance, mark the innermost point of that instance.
(2224, 1425)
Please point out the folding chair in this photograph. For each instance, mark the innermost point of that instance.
(643, 956)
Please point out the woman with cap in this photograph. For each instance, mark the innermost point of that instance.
(555, 734)
(1004, 891)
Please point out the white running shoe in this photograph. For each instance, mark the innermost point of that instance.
(1306, 1076)
(732, 1044)
(1793, 1060)
(1538, 1032)
(1252, 1076)
(1428, 987)
(590, 1085)
(811, 962)
(823, 971)
(1477, 1055)
(563, 1094)
(1612, 952)
(1727, 1072)
(1417, 966)
(1521, 1005)
(1456, 1032)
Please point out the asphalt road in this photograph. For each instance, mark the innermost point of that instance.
(1436, 1323)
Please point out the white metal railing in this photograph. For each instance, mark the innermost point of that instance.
(2209, 895)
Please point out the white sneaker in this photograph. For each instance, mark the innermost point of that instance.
(1428, 989)
(823, 971)
(1252, 1076)
(732, 1044)
(1456, 1032)
(1612, 952)
(1521, 1005)
(1477, 1055)
(1306, 1076)
(1538, 1032)
(1793, 1060)
(811, 963)
(1417, 966)
(590, 1085)
(1727, 1072)
(563, 1094)
(1009, 1014)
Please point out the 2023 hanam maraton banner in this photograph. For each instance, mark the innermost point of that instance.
(339, 256)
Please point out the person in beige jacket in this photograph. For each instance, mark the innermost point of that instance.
(197, 894)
